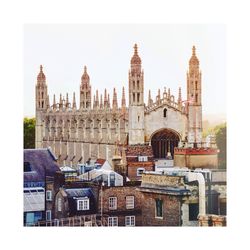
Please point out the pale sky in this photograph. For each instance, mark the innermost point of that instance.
(106, 50)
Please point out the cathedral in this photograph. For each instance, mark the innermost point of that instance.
(99, 127)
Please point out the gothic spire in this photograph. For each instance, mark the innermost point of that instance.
(108, 102)
(94, 103)
(101, 102)
(41, 76)
(179, 95)
(123, 97)
(115, 105)
(97, 99)
(150, 101)
(135, 59)
(85, 76)
(60, 102)
(67, 100)
(54, 102)
(105, 99)
(194, 60)
(74, 101)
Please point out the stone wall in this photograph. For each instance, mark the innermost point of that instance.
(175, 120)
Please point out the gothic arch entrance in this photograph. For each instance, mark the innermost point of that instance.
(163, 142)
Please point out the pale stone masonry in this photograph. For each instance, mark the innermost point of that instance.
(98, 126)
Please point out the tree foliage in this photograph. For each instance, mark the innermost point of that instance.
(221, 141)
(29, 132)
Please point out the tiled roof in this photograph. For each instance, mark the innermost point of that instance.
(42, 163)
(100, 161)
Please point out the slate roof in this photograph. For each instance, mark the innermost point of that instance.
(42, 162)
(79, 192)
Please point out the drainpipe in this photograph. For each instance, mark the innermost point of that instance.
(202, 190)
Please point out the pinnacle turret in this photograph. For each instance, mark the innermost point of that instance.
(115, 105)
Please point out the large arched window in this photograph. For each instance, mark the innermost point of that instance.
(165, 113)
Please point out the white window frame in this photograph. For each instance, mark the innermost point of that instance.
(112, 221)
(48, 195)
(48, 212)
(112, 203)
(130, 202)
(137, 171)
(83, 204)
(59, 205)
(142, 158)
(130, 221)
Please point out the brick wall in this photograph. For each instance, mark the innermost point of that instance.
(132, 169)
(121, 211)
(171, 210)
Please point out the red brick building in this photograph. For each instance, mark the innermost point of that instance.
(121, 206)
(139, 159)
(162, 199)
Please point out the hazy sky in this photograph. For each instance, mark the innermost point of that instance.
(106, 50)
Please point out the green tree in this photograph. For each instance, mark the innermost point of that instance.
(29, 132)
(221, 141)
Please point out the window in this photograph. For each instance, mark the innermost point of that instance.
(196, 85)
(83, 204)
(142, 158)
(138, 85)
(113, 221)
(133, 97)
(165, 113)
(138, 97)
(112, 202)
(130, 202)
(158, 208)
(138, 118)
(26, 167)
(59, 205)
(48, 215)
(48, 195)
(129, 221)
(193, 211)
(140, 171)
(133, 84)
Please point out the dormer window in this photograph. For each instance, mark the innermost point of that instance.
(83, 204)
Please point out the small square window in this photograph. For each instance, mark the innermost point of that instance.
(129, 221)
(113, 221)
(83, 204)
(140, 171)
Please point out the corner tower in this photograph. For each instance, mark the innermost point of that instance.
(194, 101)
(136, 100)
(41, 105)
(85, 91)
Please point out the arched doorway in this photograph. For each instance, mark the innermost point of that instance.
(164, 141)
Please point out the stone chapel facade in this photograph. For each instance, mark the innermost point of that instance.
(98, 127)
